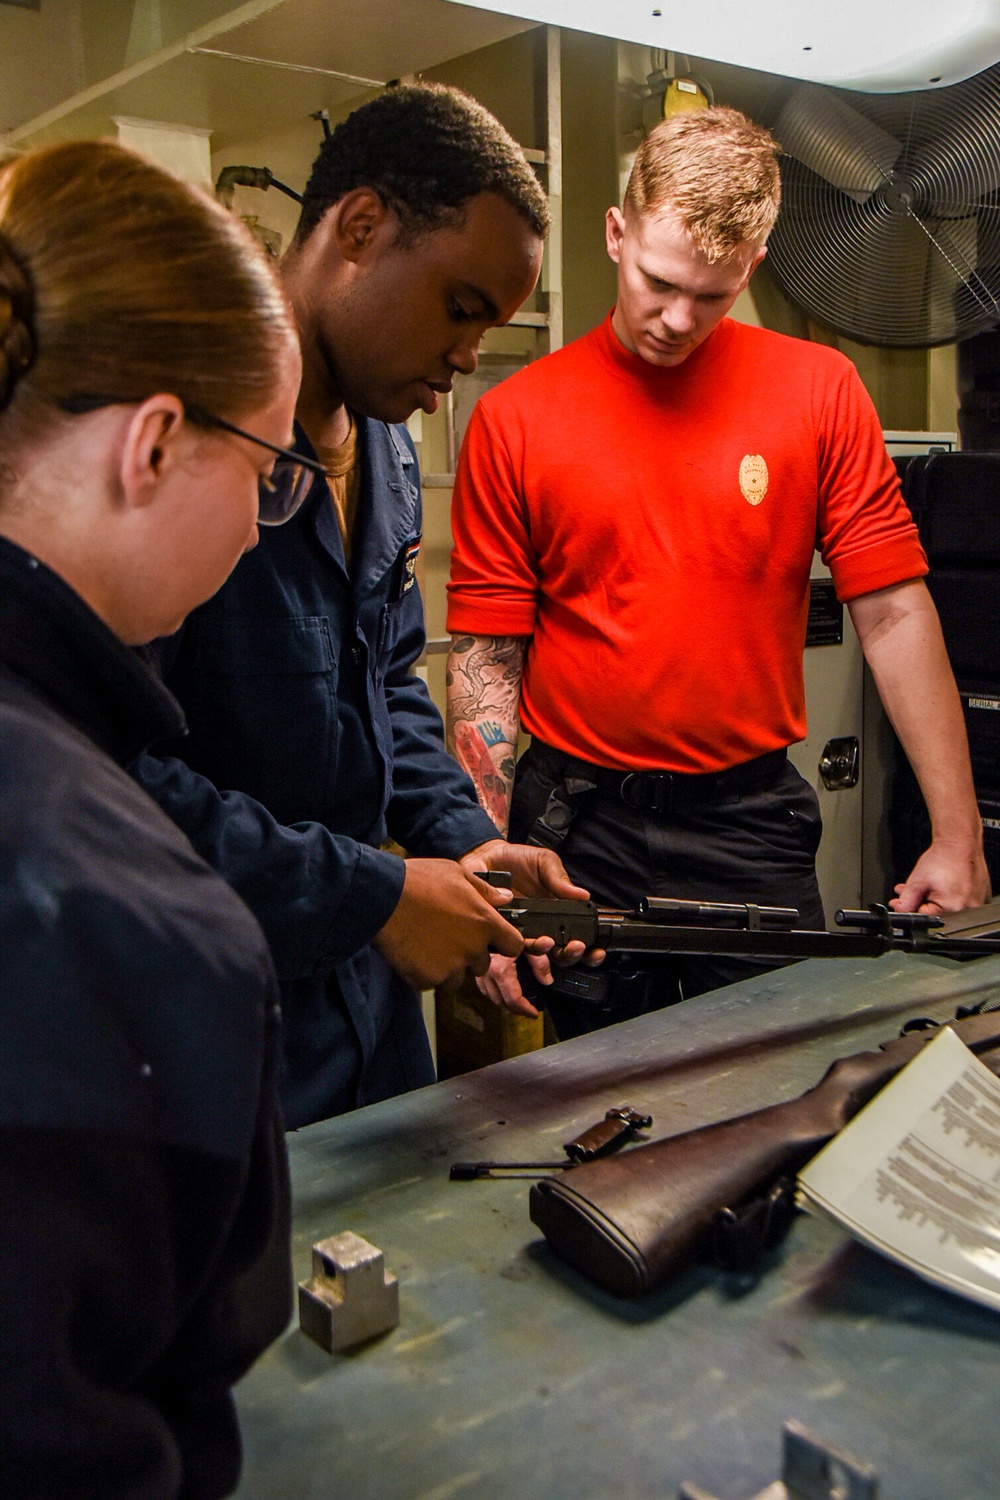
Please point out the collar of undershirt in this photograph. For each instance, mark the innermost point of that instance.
(340, 460)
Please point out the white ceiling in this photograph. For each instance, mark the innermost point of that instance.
(880, 46)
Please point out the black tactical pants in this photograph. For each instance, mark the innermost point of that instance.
(748, 835)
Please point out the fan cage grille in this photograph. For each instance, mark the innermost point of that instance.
(889, 230)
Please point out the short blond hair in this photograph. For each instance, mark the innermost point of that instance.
(717, 171)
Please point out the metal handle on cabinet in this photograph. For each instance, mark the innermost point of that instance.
(840, 766)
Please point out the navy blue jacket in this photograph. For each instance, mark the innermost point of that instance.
(309, 741)
(144, 1234)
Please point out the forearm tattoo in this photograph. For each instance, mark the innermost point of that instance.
(484, 693)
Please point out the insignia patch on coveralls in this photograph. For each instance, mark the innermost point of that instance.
(410, 556)
(754, 478)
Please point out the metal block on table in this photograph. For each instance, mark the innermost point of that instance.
(350, 1297)
(812, 1469)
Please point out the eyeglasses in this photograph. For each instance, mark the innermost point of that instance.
(279, 494)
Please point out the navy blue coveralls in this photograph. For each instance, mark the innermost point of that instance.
(309, 740)
(144, 1233)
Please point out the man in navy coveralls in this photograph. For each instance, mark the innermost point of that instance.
(310, 739)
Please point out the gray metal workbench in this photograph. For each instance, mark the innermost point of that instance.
(511, 1378)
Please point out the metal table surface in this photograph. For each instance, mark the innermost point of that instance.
(511, 1378)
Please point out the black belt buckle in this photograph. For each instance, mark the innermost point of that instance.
(648, 791)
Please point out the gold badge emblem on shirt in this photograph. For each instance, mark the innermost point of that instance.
(754, 478)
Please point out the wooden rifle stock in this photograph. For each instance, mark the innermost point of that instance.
(632, 1221)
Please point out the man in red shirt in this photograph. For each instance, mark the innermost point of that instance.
(635, 518)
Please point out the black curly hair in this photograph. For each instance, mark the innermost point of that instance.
(426, 150)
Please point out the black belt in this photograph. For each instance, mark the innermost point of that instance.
(671, 791)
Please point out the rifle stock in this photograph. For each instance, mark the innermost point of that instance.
(632, 1221)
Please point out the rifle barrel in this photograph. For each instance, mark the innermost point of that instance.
(621, 935)
(567, 921)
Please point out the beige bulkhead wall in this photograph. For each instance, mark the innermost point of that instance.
(53, 36)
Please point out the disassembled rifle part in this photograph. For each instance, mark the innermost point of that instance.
(615, 1130)
(472, 1171)
(350, 1296)
(743, 1236)
(667, 925)
(632, 1221)
(617, 1127)
(812, 1469)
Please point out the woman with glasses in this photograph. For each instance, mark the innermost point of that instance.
(148, 372)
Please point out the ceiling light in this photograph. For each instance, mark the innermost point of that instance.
(891, 46)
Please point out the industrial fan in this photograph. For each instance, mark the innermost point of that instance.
(890, 226)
